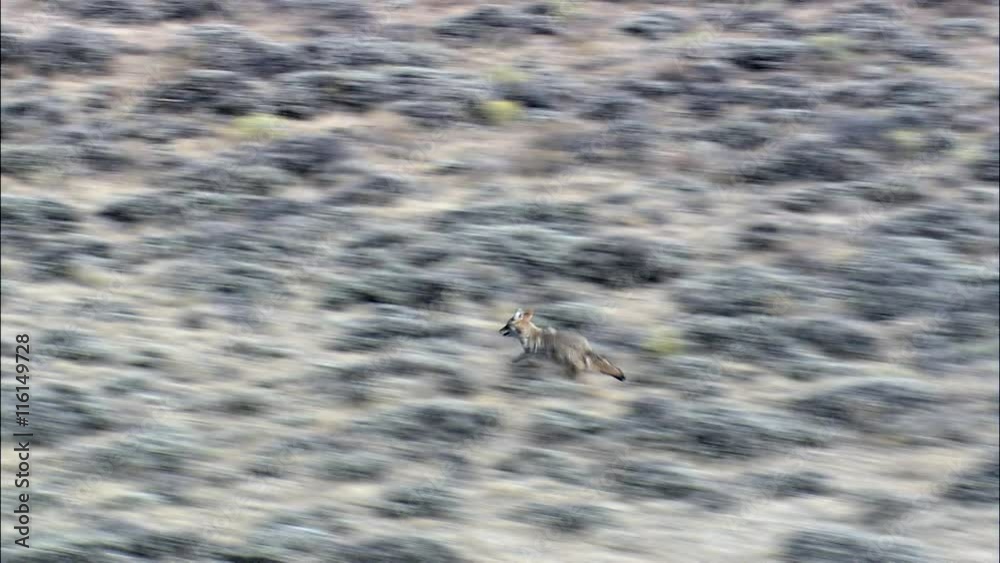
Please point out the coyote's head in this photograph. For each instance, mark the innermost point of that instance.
(517, 324)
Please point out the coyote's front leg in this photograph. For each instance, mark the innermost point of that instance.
(523, 356)
(571, 371)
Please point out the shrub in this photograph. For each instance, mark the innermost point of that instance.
(663, 342)
(72, 49)
(832, 46)
(499, 112)
(257, 127)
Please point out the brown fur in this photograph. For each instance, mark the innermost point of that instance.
(567, 349)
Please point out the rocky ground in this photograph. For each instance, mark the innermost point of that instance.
(262, 250)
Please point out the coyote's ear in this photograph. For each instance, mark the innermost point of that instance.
(528, 313)
(518, 314)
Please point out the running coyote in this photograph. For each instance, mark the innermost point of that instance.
(568, 349)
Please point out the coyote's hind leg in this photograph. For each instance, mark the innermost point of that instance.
(572, 371)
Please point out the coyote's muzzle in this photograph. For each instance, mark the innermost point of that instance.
(506, 330)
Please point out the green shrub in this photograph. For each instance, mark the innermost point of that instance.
(833, 46)
(257, 127)
(499, 112)
(908, 141)
(506, 75)
(663, 343)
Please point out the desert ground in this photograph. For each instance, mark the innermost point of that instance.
(262, 250)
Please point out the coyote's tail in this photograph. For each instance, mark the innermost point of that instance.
(604, 366)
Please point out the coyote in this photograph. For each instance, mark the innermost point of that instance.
(568, 349)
